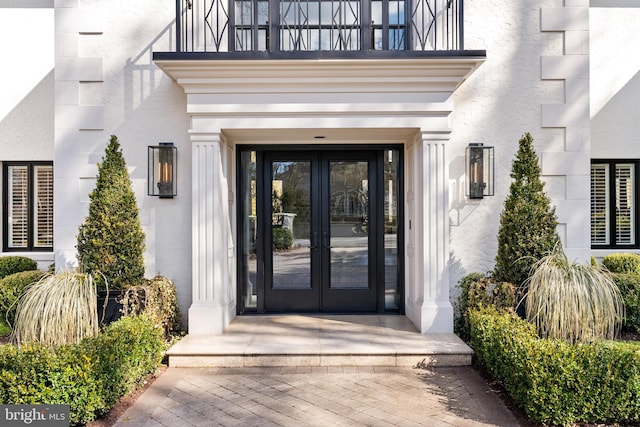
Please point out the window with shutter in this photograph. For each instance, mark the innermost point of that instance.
(613, 204)
(28, 206)
(18, 209)
(43, 206)
(599, 202)
(625, 222)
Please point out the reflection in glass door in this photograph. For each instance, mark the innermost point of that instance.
(348, 224)
(290, 224)
(291, 279)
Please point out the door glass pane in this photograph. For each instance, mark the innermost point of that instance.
(290, 224)
(348, 222)
(248, 275)
(391, 260)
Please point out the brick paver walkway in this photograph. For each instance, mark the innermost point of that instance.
(323, 396)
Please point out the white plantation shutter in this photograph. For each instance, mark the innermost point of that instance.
(43, 206)
(28, 198)
(599, 204)
(18, 206)
(625, 189)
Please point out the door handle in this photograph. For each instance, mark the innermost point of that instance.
(314, 241)
(325, 240)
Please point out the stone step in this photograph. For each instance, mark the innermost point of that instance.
(331, 341)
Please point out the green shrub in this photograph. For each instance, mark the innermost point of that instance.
(629, 285)
(282, 238)
(158, 299)
(38, 374)
(4, 329)
(11, 288)
(528, 221)
(111, 239)
(622, 263)
(90, 376)
(555, 382)
(124, 354)
(16, 264)
(477, 290)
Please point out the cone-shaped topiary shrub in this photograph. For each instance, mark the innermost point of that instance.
(111, 240)
(528, 221)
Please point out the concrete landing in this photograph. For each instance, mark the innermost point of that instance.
(320, 340)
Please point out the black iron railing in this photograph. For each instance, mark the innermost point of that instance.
(318, 25)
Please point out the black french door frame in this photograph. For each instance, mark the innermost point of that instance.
(328, 300)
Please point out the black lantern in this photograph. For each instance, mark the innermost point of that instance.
(162, 170)
(479, 170)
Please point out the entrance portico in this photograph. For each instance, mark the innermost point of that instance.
(404, 103)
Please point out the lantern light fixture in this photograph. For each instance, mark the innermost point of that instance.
(162, 160)
(479, 171)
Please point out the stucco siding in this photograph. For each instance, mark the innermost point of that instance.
(26, 85)
(522, 87)
(615, 83)
(107, 84)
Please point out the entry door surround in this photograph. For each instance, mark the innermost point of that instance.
(426, 218)
(400, 101)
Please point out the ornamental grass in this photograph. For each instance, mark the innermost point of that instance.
(58, 309)
(573, 302)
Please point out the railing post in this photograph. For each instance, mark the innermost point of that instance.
(178, 27)
(461, 25)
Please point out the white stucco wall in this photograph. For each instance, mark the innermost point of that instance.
(496, 106)
(615, 82)
(26, 84)
(118, 90)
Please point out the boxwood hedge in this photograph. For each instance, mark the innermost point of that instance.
(14, 264)
(11, 288)
(622, 262)
(629, 285)
(90, 376)
(555, 382)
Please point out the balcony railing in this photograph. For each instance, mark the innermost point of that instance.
(318, 25)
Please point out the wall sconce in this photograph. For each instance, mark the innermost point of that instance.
(162, 170)
(479, 170)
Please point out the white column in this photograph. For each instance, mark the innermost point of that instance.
(428, 304)
(213, 304)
